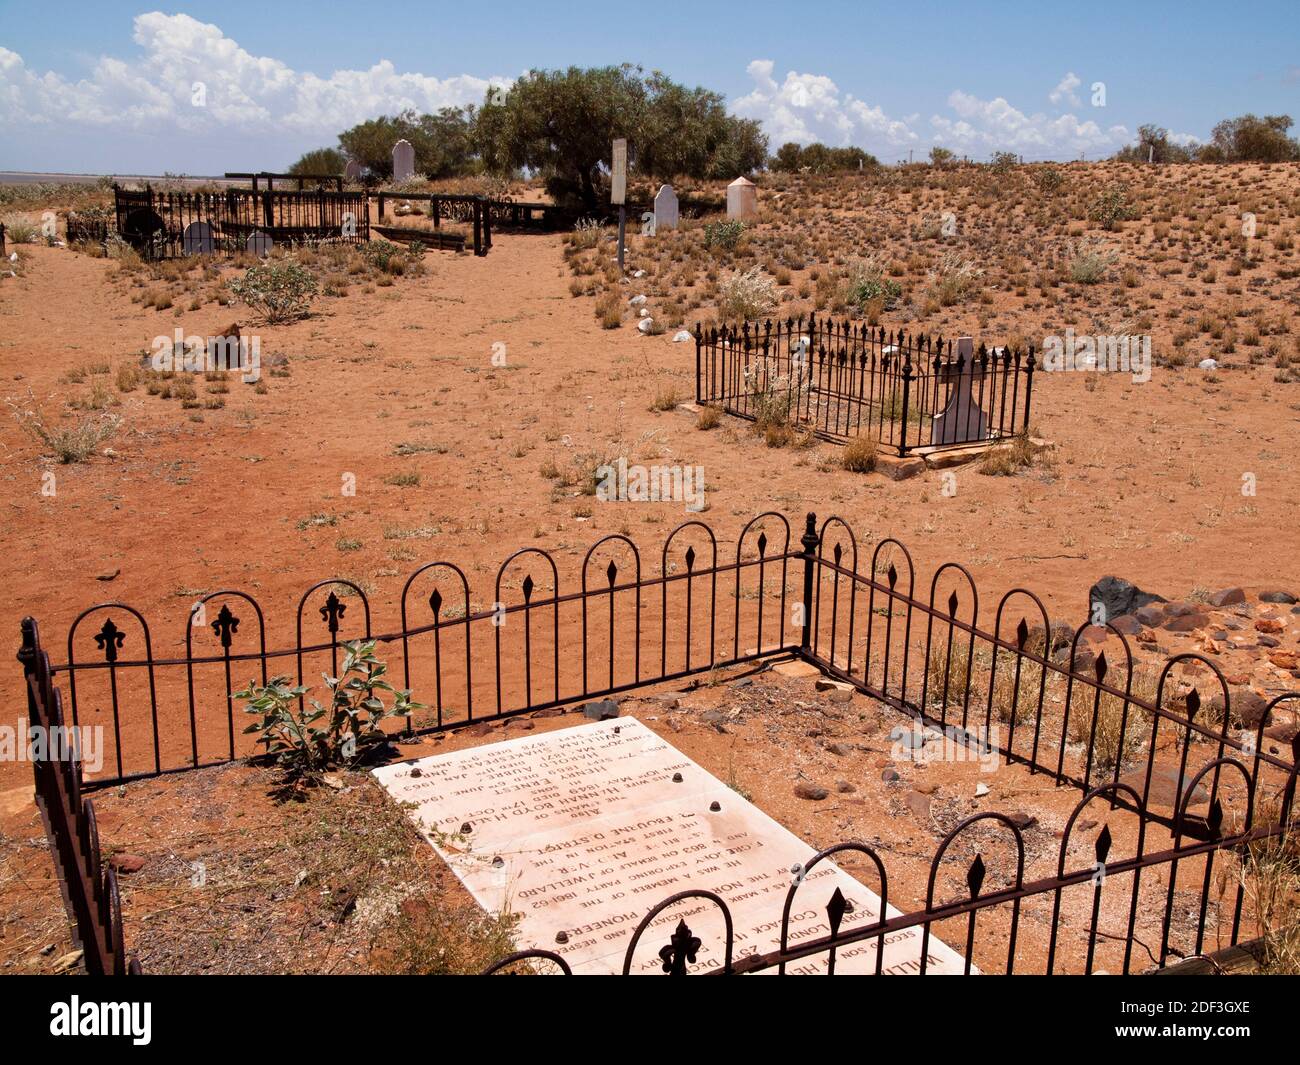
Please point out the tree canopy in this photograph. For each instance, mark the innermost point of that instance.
(820, 159)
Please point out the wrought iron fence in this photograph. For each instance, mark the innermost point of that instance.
(169, 224)
(1055, 702)
(90, 893)
(846, 379)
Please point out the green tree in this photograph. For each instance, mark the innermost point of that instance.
(941, 157)
(562, 124)
(1250, 139)
(444, 143)
(1153, 144)
(320, 161)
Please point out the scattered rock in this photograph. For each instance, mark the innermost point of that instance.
(1166, 785)
(1185, 623)
(981, 790)
(1269, 625)
(813, 792)
(890, 776)
(646, 325)
(1150, 615)
(844, 787)
(1022, 820)
(1283, 659)
(1227, 597)
(636, 301)
(1207, 364)
(925, 787)
(1277, 597)
(682, 336)
(600, 710)
(840, 749)
(126, 863)
(1127, 625)
(1117, 597)
(919, 804)
(825, 684)
(797, 668)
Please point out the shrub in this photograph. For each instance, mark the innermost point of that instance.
(71, 443)
(305, 740)
(859, 454)
(1111, 207)
(282, 291)
(1049, 179)
(866, 284)
(1089, 261)
(724, 234)
(386, 256)
(955, 278)
(747, 296)
(19, 230)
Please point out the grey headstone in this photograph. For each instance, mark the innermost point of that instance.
(352, 172)
(403, 161)
(666, 213)
(259, 244)
(197, 239)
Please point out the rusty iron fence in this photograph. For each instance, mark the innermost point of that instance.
(90, 893)
(845, 379)
(1066, 702)
(164, 225)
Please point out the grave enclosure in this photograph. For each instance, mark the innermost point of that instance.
(844, 379)
(855, 614)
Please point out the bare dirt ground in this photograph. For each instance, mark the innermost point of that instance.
(459, 459)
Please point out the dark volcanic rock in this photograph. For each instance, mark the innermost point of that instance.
(1117, 597)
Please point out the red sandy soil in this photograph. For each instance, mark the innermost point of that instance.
(1146, 481)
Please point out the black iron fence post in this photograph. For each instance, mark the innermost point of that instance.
(809, 540)
(699, 343)
(907, 392)
(1029, 386)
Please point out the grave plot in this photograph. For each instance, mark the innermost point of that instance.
(581, 831)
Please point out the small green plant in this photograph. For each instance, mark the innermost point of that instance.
(305, 739)
(282, 290)
(866, 284)
(1111, 207)
(955, 278)
(1049, 179)
(385, 256)
(724, 234)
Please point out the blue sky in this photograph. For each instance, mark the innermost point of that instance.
(107, 86)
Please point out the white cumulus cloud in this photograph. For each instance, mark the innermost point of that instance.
(256, 94)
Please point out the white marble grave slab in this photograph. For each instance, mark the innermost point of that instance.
(583, 830)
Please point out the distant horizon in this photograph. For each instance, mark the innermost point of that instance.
(117, 89)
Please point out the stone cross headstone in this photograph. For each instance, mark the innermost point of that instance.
(665, 208)
(403, 161)
(259, 244)
(742, 200)
(961, 420)
(197, 239)
(352, 172)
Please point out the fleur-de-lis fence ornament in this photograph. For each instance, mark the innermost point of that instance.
(331, 612)
(225, 625)
(680, 950)
(109, 639)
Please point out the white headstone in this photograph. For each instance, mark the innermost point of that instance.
(742, 200)
(583, 830)
(403, 161)
(665, 208)
(197, 239)
(352, 172)
(259, 244)
(961, 420)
